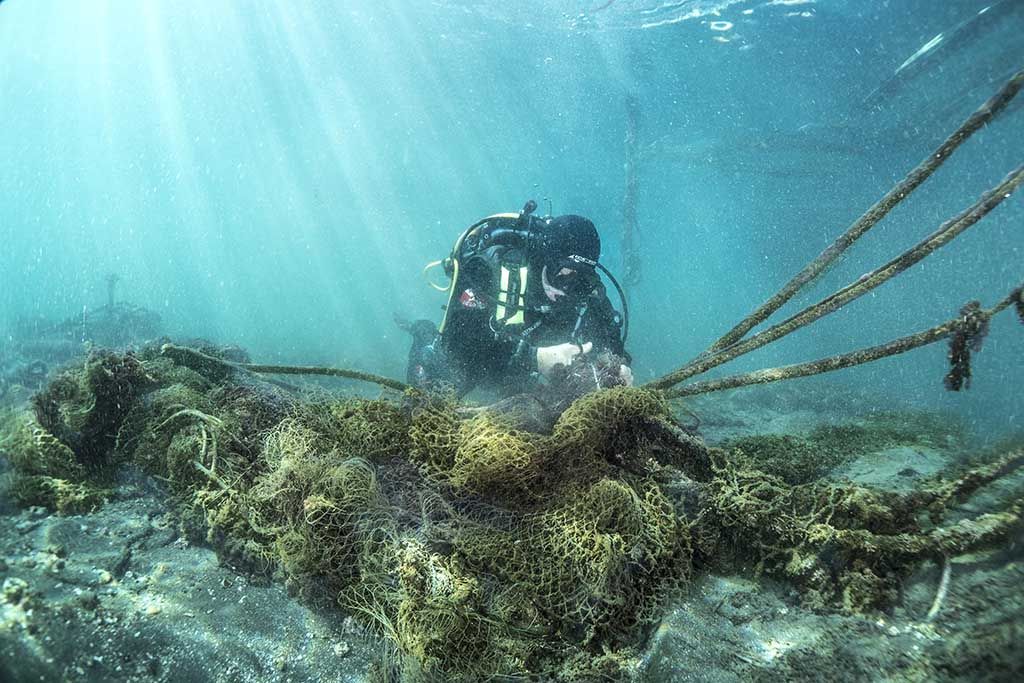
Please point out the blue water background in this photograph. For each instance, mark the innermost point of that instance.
(276, 175)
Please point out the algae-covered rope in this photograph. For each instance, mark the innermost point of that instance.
(386, 382)
(846, 360)
(877, 212)
(945, 233)
(199, 361)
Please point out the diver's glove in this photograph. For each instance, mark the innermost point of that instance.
(548, 357)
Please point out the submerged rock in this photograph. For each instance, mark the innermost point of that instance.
(170, 612)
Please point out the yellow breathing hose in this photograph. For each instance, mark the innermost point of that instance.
(426, 269)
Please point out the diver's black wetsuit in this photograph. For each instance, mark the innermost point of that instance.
(473, 349)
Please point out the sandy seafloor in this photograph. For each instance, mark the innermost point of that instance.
(121, 595)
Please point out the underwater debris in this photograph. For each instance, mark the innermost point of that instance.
(970, 332)
(60, 454)
(813, 270)
(84, 408)
(46, 472)
(843, 360)
(475, 548)
(36, 345)
(735, 343)
(841, 543)
(946, 232)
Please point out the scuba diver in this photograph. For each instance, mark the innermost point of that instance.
(525, 300)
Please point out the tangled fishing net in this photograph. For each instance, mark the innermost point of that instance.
(475, 546)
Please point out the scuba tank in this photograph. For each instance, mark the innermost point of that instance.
(501, 248)
(495, 250)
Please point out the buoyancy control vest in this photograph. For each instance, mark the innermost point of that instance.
(498, 251)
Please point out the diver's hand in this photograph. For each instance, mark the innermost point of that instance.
(626, 375)
(559, 354)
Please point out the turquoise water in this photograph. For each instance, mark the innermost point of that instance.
(275, 175)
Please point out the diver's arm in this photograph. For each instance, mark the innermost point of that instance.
(603, 325)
